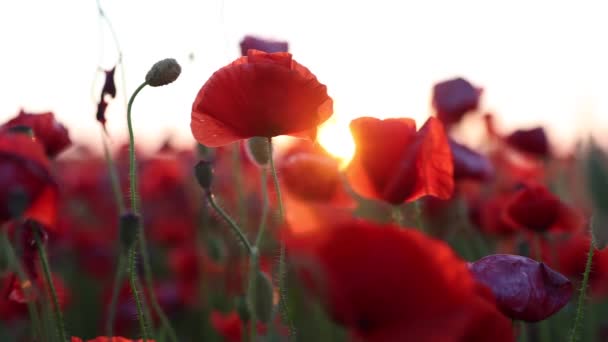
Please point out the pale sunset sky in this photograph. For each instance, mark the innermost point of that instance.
(540, 62)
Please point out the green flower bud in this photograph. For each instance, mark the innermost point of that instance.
(257, 149)
(203, 171)
(129, 228)
(163, 72)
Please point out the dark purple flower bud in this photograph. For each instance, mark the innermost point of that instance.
(266, 45)
(533, 141)
(452, 99)
(525, 289)
(101, 112)
(469, 164)
(109, 87)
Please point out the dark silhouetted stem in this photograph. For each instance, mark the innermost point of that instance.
(58, 316)
(114, 300)
(14, 264)
(143, 325)
(235, 228)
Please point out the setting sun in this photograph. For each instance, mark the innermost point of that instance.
(335, 137)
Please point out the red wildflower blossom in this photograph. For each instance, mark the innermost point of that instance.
(412, 286)
(313, 177)
(533, 207)
(396, 164)
(266, 45)
(25, 171)
(524, 288)
(51, 134)
(531, 141)
(569, 257)
(230, 326)
(262, 94)
(453, 98)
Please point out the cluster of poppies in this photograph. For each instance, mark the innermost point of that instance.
(248, 238)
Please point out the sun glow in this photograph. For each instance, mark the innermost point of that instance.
(335, 137)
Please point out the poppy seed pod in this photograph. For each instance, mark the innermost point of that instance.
(203, 171)
(129, 227)
(257, 150)
(163, 72)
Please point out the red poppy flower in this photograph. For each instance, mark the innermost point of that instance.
(534, 208)
(230, 326)
(51, 134)
(469, 164)
(569, 256)
(262, 94)
(262, 44)
(488, 215)
(453, 98)
(25, 171)
(525, 289)
(313, 177)
(396, 164)
(531, 141)
(14, 295)
(385, 283)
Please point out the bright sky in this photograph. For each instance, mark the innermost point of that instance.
(540, 62)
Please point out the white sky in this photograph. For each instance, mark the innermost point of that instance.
(540, 62)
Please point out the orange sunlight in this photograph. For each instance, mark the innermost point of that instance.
(335, 137)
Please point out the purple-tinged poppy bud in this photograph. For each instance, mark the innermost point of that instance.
(266, 45)
(203, 171)
(469, 164)
(452, 99)
(525, 289)
(532, 141)
(109, 87)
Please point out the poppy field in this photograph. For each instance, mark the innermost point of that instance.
(258, 233)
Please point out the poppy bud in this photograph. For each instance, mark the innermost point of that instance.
(242, 309)
(203, 171)
(525, 289)
(129, 228)
(263, 297)
(532, 141)
(163, 72)
(257, 150)
(22, 129)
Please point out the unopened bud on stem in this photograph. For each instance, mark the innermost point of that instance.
(204, 174)
(129, 228)
(163, 72)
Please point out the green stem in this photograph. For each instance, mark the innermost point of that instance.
(253, 269)
(132, 162)
(115, 291)
(237, 166)
(282, 265)
(14, 264)
(583, 293)
(235, 228)
(58, 316)
(143, 325)
(523, 332)
(418, 216)
(134, 193)
(397, 215)
(265, 205)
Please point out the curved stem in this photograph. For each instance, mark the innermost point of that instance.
(235, 228)
(583, 293)
(143, 325)
(14, 264)
(115, 290)
(132, 167)
(134, 193)
(282, 266)
(51, 286)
